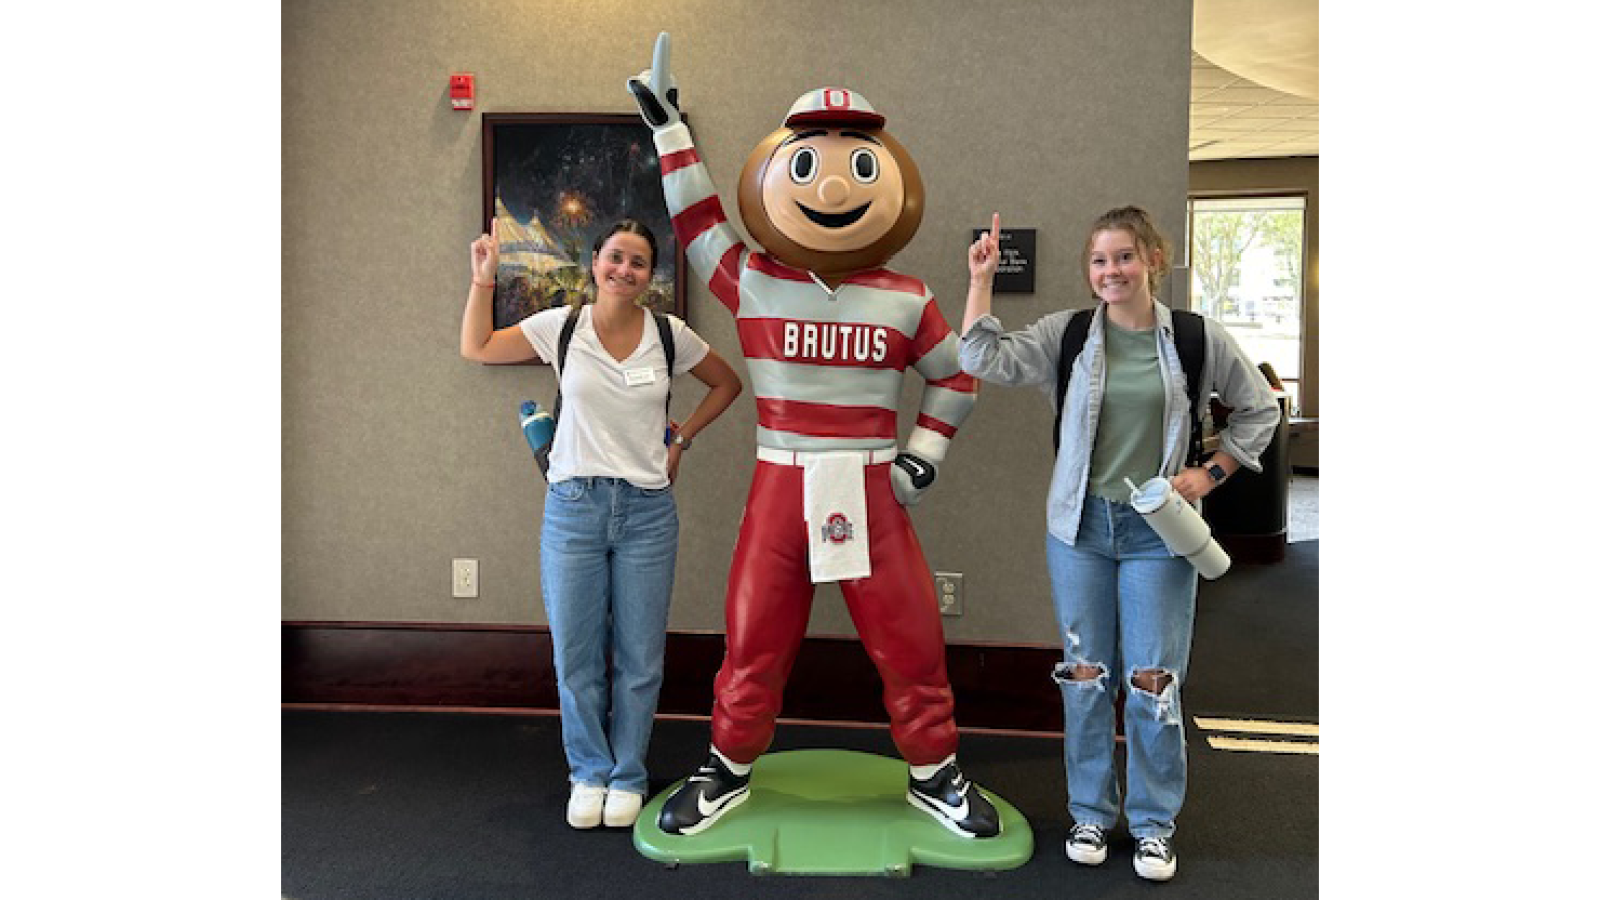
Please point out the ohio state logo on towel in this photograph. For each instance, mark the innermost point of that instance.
(838, 529)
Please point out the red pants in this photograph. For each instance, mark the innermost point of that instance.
(769, 603)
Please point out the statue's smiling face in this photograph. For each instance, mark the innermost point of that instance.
(833, 189)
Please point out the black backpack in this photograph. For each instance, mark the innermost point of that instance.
(1189, 332)
(663, 327)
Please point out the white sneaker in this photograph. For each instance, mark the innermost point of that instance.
(583, 807)
(1155, 859)
(1086, 844)
(622, 808)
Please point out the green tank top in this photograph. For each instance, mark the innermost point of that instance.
(1127, 441)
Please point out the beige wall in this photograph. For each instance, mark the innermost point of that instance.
(398, 455)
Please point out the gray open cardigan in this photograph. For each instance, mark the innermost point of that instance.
(1030, 356)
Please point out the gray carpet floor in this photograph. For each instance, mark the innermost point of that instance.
(441, 806)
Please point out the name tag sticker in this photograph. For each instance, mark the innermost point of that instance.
(637, 377)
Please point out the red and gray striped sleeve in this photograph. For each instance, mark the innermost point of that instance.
(712, 246)
(950, 393)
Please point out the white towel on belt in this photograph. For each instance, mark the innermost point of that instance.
(836, 516)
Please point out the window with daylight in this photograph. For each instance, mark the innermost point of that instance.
(1247, 271)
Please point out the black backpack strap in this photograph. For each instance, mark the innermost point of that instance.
(1189, 333)
(542, 455)
(670, 348)
(562, 343)
(1072, 339)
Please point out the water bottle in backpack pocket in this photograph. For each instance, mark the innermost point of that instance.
(539, 427)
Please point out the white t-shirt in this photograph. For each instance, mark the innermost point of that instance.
(613, 414)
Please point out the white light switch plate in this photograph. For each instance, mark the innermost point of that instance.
(464, 578)
(947, 587)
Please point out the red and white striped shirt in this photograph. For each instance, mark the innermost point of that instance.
(825, 369)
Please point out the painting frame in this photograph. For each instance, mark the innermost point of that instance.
(555, 182)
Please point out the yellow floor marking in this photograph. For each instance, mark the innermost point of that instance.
(1258, 726)
(1249, 745)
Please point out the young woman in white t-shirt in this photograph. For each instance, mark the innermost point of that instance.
(609, 543)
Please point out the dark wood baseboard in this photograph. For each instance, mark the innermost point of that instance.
(507, 668)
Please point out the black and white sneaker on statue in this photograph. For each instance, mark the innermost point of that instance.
(704, 798)
(955, 803)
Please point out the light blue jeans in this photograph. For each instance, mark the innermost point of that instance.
(1125, 605)
(606, 559)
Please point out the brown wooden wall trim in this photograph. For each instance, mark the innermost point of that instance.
(509, 668)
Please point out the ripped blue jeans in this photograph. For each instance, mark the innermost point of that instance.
(1125, 606)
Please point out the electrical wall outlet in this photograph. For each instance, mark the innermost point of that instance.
(464, 578)
(947, 585)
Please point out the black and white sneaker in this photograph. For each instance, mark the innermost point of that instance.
(955, 802)
(704, 798)
(1155, 859)
(1086, 844)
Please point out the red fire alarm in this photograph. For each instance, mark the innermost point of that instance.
(461, 90)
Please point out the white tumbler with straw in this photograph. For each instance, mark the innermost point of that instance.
(1179, 526)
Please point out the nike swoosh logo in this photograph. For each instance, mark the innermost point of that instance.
(957, 812)
(960, 812)
(709, 809)
(917, 469)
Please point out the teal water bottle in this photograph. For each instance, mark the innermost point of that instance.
(537, 426)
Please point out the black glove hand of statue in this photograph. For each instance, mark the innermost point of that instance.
(911, 476)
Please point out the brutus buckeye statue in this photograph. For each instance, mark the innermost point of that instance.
(827, 334)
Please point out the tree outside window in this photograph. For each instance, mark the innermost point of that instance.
(1246, 270)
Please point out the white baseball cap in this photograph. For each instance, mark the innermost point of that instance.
(833, 106)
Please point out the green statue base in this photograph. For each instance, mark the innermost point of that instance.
(833, 812)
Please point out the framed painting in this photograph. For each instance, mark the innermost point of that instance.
(554, 182)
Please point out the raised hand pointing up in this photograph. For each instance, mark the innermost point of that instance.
(486, 255)
(655, 90)
(983, 257)
(984, 254)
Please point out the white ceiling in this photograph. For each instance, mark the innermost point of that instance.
(1253, 91)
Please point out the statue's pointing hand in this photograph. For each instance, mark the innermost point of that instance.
(655, 90)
